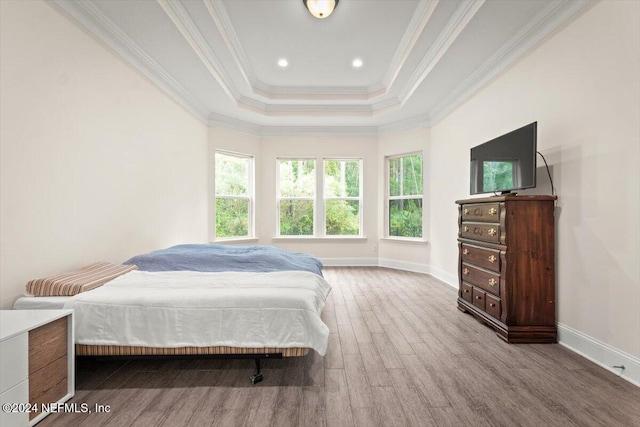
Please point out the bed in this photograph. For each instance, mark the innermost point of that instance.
(251, 302)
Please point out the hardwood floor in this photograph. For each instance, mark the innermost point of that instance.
(400, 354)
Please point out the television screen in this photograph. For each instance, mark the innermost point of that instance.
(506, 163)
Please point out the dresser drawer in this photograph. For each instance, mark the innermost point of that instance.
(479, 297)
(47, 344)
(486, 280)
(493, 306)
(481, 212)
(467, 292)
(486, 232)
(482, 257)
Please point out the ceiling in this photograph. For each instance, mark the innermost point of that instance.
(421, 59)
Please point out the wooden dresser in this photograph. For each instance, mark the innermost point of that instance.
(506, 265)
(36, 364)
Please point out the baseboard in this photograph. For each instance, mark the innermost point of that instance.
(600, 353)
(403, 265)
(350, 262)
(445, 276)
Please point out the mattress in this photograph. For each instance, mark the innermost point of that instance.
(175, 309)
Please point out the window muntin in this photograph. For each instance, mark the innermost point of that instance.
(234, 195)
(404, 196)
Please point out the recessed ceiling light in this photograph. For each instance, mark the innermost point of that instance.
(357, 63)
(282, 62)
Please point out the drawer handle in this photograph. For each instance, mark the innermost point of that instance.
(466, 291)
(493, 211)
(492, 282)
(478, 297)
(465, 228)
(465, 212)
(465, 271)
(492, 232)
(491, 304)
(492, 258)
(465, 251)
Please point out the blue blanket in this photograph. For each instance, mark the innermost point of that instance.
(200, 257)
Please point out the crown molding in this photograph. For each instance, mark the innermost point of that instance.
(422, 120)
(460, 19)
(551, 18)
(109, 34)
(407, 44)
(220, 120)
(194, 38)
(218, 13)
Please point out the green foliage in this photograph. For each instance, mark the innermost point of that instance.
(405, 179)
(405, 217)
(232, 175)
(296, 217)
(497, 175)
(342, 217)
(232, 178)
(232, 217)
(297, 178)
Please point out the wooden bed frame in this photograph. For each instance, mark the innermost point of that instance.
(222, 352)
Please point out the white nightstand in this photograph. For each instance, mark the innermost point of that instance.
(37, 363)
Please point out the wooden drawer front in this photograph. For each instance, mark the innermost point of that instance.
(485, 258)
(485, 232)
(486, 280)
(493, 306)
(482, 212)
(48, 363)
(47, 344)
(49, 384)
(466, 292)
(479, 297)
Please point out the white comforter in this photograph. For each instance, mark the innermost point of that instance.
(186, 308)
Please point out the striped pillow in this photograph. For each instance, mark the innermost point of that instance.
(74, 282)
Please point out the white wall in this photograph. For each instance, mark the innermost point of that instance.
(583, 87)
(96, 163)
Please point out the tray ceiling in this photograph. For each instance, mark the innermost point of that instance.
(421, 59)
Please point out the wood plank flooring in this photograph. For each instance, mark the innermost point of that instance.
(400, 354)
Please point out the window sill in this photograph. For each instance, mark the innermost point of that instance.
(332, 239)
(408, 240)
(237, 240)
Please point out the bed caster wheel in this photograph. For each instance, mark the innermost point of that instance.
(255, 379)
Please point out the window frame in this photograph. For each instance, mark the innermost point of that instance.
(319, 199)
(388, 197)
(250, 197)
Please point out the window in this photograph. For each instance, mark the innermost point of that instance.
(296, 197)
(234, 195)
(404, 196)
(319, 201)
(342, 197)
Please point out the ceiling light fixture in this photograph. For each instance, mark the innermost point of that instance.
(282, 62)
(320, 8)
(357, 63)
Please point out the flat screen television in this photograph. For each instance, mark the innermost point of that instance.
(505, 164)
